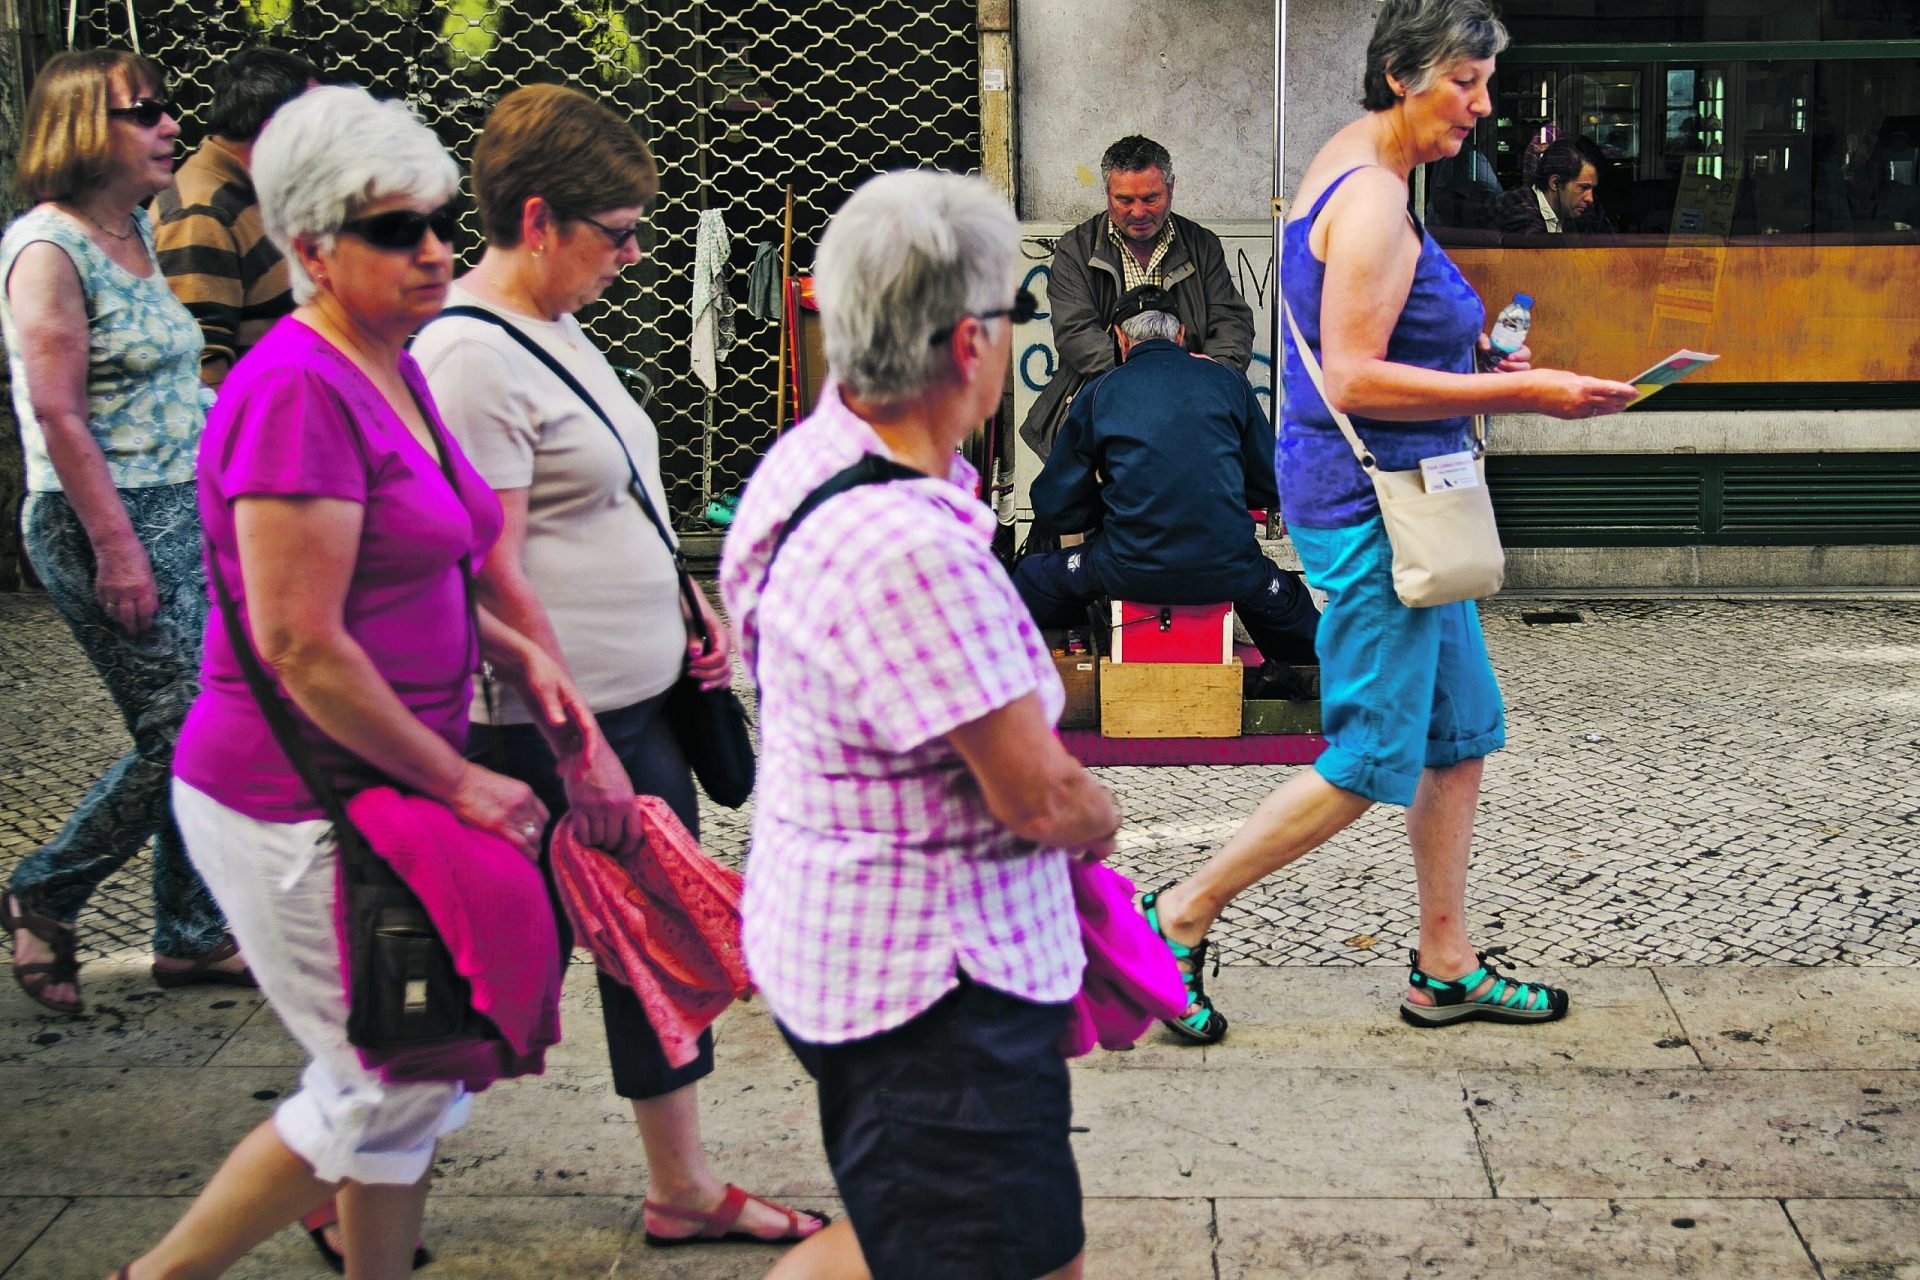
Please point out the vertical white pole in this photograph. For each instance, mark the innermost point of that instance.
(1279, 190)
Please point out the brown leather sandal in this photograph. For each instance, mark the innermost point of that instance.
(202, 970)
(717, 1226)
(63, 969)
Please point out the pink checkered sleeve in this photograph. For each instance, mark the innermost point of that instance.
(931, 628)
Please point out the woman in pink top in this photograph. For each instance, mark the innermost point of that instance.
(344, 520)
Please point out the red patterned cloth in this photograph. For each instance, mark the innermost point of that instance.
(665, 922)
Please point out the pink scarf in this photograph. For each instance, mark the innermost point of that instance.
(1132, 980)
(490, 906)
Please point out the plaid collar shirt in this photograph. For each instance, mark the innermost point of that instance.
(875, 868)
(1134, 274)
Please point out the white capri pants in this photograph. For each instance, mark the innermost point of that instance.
(275, 881)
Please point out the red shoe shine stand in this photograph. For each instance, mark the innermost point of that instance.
(1172, 632)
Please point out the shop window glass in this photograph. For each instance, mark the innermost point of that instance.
(1716, 147)
(1713, 174)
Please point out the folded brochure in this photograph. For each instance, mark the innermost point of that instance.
(1668, 371)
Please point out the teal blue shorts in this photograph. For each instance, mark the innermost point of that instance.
(1401, 689)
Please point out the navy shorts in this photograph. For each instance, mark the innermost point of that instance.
(949, 1140)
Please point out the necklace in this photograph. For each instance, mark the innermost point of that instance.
(123, 237)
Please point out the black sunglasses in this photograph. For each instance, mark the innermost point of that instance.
(1025, 307)
(145, 112)
(621, 237)
(399, 229)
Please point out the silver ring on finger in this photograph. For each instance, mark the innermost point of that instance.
(530, 829)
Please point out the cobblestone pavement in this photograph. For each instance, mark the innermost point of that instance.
(1686, 782)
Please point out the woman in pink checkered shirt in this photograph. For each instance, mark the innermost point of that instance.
(908, 913)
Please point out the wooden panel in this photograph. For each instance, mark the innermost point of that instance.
(1272, 715)
(1081, 678)
(1169, 699)
(1792, 312)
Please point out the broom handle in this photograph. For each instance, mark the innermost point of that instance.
(786, 269)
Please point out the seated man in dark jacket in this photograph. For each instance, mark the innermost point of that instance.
(1162, 457)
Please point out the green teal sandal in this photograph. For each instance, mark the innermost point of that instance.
(1202, 1023)
(1505, 1000)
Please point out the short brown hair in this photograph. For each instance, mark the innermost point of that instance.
(557, 143)
(67, 131)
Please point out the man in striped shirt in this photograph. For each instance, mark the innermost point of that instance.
(212, 244)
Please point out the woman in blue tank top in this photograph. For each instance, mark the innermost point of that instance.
(1409, 702)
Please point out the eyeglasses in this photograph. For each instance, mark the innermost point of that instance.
(1025, 307)
(620, 237)
(403, 229)
(145, 112)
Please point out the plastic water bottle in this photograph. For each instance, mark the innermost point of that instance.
(1511, 326)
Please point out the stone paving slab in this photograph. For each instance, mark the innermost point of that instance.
(1861, 1239)
(1583, 1132)
(578, 1238)
(128, 1020)
(1829, 1017)
(1298, 1016)
(21, 1223)
(1274, 1132)
(567, 1133)
(93, 1236)
(124, 1131)
(1560, 1239)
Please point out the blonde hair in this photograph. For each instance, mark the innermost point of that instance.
(68, 132)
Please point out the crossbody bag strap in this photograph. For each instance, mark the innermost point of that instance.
(1341, 420)
(872, 468)
(635, 485)
(273, 708)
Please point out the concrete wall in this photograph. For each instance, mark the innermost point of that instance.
(1197, 76)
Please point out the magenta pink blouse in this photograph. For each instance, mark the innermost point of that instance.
(296, 418)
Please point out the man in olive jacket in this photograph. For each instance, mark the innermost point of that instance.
(1138, 240)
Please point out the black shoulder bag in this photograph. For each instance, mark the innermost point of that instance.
(403, 989)
(710, 724)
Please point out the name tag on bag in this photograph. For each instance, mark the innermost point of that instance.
(1450, 471)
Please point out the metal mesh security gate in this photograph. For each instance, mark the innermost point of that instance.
(738, 99)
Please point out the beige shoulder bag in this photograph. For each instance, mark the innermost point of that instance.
(1445, 544)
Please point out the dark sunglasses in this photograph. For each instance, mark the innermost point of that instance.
(145, 112)
(620, 237)
(1025, 307)
(399, 229)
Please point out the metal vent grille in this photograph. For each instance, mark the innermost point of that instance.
(1680, 499)
(737, 100)
(1531, 502)
(1867, 495)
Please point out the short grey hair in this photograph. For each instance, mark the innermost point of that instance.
(1135, 153)
(1416, 40)
(333, 151)
(906, 256)
(1149, 325)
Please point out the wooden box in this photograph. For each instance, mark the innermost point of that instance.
(1169, 699)
(1080, 674)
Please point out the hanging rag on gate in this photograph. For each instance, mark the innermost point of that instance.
(763, 282)
(712, 305)
(664, 922)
